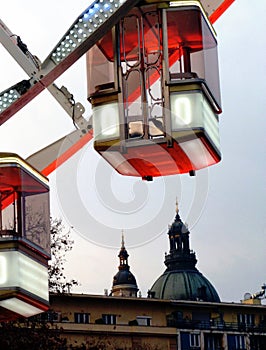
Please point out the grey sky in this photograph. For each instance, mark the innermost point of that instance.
(224, 206)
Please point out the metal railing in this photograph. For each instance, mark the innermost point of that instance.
(217, 325)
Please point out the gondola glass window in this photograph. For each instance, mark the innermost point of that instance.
(24, 238)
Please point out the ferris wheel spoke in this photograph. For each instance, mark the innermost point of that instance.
(87, 29)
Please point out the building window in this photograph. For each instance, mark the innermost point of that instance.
(49, 316)
(240, 342)
(245, 319)
(81, 317)
(144, 320)
(213, 342)
(54, 316)
(257, 342)
(194, 340)
(109, 319)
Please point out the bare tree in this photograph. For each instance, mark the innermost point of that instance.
(61, 243)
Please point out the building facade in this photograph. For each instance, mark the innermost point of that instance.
(132, 323)
(183, 311)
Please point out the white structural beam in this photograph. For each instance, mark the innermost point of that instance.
(88, 28)
(17, 50)
(31, 65)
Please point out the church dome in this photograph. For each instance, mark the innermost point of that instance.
(184, 285)
(182, 280)
(124, 277)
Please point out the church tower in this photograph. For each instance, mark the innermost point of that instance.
(124, 282)
(181, 279)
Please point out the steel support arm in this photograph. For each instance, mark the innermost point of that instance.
(88, 28)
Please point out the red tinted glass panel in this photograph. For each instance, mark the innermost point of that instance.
(24, 206)
(192, 49)
(15, 177)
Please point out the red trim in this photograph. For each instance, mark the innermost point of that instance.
(220, 10)
(158, 160)
(33, 302)
(69, 153)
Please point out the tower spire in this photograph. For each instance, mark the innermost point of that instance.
(176, 206)
(123, 240)
(124, 282)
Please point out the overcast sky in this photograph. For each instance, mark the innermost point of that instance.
(224, 206)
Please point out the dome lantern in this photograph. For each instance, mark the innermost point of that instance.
(181, 279)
